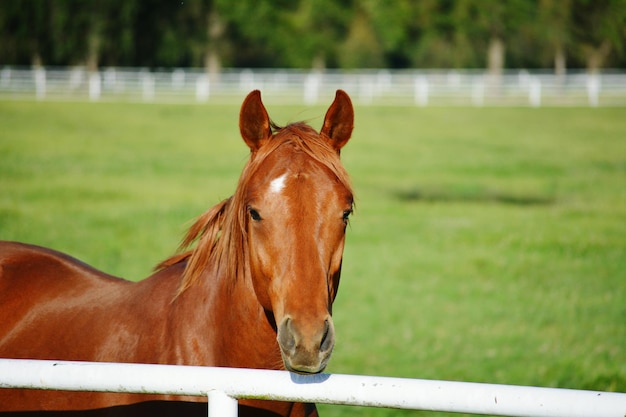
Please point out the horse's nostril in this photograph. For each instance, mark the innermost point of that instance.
(328, 338)
(286, 337)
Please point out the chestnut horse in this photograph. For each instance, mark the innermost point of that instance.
(256, 291)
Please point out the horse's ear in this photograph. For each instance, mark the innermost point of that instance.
(339, 120)
(254, 122)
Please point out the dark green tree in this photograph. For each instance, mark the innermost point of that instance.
(553, 29)
(491, 25)
(315, 33)
(599, 32)
(260, 31)
(319, 27)
(191, 34)
(362, 47)
(23, 32)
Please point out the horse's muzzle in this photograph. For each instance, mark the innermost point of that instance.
(306, 348)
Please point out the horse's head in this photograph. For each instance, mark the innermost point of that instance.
(297, 203)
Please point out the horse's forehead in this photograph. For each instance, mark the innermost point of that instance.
(287, 171)
(277, 185)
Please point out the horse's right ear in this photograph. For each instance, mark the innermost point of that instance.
(254, 122)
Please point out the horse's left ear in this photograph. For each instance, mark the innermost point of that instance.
(339, 120)
(254, 122)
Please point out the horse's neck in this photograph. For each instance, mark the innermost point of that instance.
(218, 322)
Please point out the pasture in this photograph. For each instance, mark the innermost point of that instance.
(487, 244)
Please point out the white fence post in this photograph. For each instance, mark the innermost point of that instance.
(221, 405)
(5, 77)
(478, 92)
(593, 89)
(40, 83)
(147, 86)
(95, 86)
(534, 92)
(312, 88)
(202, 88)
(421, 88)
(178, 79)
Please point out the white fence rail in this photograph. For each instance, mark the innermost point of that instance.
(224, 385)
(415, 87)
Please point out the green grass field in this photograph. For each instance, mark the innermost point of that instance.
(488, 244)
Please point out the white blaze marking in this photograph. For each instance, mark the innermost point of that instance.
(277, 185)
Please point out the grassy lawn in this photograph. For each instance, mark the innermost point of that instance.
(488, 244)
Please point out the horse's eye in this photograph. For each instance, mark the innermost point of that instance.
(346, 215)
(254, 214)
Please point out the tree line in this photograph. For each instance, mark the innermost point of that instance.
(493, 34)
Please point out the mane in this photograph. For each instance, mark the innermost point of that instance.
(220, 233)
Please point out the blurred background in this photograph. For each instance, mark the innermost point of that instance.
(557, 34)
(489, 52)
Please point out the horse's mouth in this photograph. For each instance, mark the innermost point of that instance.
(306, 370)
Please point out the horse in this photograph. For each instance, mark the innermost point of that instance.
(251, 286)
